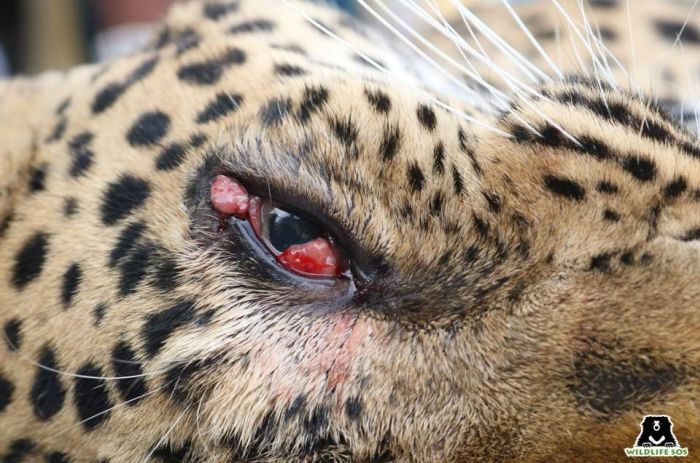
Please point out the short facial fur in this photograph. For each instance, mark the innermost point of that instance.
(512, 284)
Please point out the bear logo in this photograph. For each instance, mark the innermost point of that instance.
(657, 431)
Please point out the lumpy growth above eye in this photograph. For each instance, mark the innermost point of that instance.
(298, 243)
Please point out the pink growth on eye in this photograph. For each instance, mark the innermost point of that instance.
(229, 197)
(315, 258)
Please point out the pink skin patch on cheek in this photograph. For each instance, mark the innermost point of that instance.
(339, 349)
(229, 197)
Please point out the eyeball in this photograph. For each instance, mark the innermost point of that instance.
(298, 243)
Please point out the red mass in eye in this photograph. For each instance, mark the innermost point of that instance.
(315, 258)
(229, 197)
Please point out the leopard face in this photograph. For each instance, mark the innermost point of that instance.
(496, 275)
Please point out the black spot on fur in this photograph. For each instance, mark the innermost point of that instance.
(640, 168)
(669, 29)
(107, 97)
(290, 48)
(611, 215)
(132, 387)
(99, 313)
(296, 408)
(601, 262)
(493, 200)
(607, 188)
(187, 40)
(166, 275)
(466, 149)
(436, 204)
(5, 223)
(609, 380)
(58, 130)
(223, 104)
(676, 188)
(205, 318)
(129, 236)
(606, 33)
(61, 108)
(314, 98)
(627, 258)
(91, 397)
(134, 268)
(167, 454)
(37, 178)
(606, 4)
(178, 377)
(13, 334)
(57, 457)
(19, 449)
(317, 421)
(215, 11)
(256, 25)
(71, 281)
(379, 100)
(171, 157)
(174, 154)
(111, 92)
(123, 197)
(353, 408)
(289, 70)
(47, 394)
(439, 159)
(149, 129)
(209, 72)
(691, 235)
(160, 326)
(275, 110)
(346, 132)
(70, 207)
(82, 154)
(565, 188)
(29, 261)
(457, 181)
(391, 143)
(416, 179)
(426, 117)
(7, 390)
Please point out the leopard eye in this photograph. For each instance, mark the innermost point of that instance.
(297, 242)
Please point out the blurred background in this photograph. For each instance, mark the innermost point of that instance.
(36, 35)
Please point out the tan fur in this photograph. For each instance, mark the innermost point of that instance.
(453, 355)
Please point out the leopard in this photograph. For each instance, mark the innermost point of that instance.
(284, 233)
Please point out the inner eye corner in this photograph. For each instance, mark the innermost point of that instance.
(299, 243)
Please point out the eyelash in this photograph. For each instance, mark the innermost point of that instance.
(296, 242)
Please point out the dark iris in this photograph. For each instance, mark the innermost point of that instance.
(282, 228)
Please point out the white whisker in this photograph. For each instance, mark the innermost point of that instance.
(165, 436)
(589, 32)
(119, 405)
(507, 78)
(532, 39)
(478, 97)
(400, 80)
(633, 56)
(74, 375)
(525, 66)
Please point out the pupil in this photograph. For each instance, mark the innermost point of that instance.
(285, 228)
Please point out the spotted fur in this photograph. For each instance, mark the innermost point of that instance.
(526, 298)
